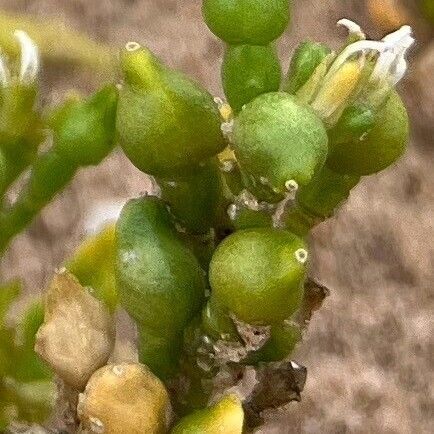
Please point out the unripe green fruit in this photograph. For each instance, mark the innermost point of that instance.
(384, 144)
(167, 124)
(84, 131)
(249, 71)
(253, 22)
(277, 139)
(258, 275)
(305, 60)
(160, 282)
(194, 198)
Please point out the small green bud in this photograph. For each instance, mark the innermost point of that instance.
(249, 71)
(160, 282)
(383, 145)
(93, 264)
(253, 22)
(84, 130)
(356, 120)
(258, 275)
(167, 124)
(307, 57)
(278, 139)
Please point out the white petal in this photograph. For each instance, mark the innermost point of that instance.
(353, 28)
(29, 57)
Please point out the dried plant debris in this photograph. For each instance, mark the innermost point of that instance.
(124, 398)
(314, 296)
(277, 384)
(77, 336)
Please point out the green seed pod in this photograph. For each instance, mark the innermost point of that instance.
(277, 139)
(383, 145)
(160, 282)
(258, 275)
(84, 130)
(166, 123)
(194, 199)
(253, 22)
(305, 60)
(227, 416)
(282, 342)
(249, 71)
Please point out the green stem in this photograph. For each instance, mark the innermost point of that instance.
(50, 174)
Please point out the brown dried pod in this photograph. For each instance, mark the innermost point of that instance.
(77, 336)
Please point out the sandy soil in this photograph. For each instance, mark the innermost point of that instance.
(370, 350)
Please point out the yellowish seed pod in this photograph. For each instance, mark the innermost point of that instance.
(124, 399)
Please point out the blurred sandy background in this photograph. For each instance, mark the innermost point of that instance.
(370, 351)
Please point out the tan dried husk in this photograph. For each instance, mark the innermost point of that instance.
(77, 336)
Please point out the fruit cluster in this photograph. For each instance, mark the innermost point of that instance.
(222, 246)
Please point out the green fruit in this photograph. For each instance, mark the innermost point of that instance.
(167, 124)
(249, 71)
(160, 282)
(305, 60)
(194, 199)
(225, 417)
(384, 144)
(84, 131)
(258, 275)
(253, 22)
(277, 139)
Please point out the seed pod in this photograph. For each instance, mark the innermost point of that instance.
(253, 22)
(277, 139)
(160, 282)
(227, 416)
(84, 130)
(249, 71)
(305, 60)
(124, 398)
(194, 199)
(166, 123)
(77, 335)
(384, 144)
(258, 275)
